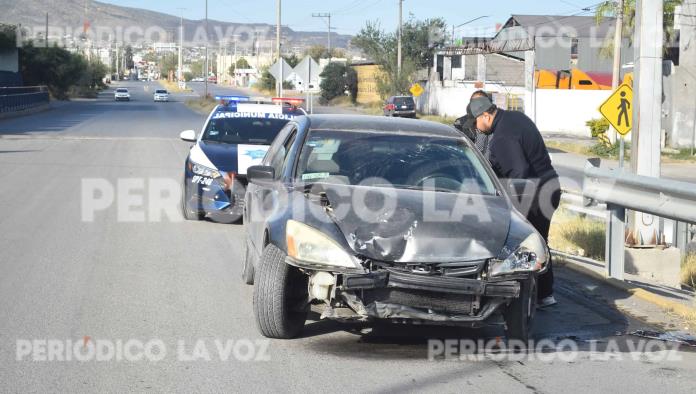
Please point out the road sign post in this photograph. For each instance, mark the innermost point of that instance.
(618, 111)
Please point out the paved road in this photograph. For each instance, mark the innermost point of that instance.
(121, 277)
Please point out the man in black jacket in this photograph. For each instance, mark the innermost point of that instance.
(516, 150)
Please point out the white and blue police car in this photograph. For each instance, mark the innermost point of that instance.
(236, 135)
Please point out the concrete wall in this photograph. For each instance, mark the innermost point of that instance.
(558, 111)
(566, 111)
(9, 60)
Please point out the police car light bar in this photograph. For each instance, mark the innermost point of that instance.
(289, 100)
(230, 99)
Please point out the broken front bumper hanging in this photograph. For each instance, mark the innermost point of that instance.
(393, 294)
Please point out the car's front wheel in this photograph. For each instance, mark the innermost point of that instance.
(185, 210)
(519, 315)
(280, 296)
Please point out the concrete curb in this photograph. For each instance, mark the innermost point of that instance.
(25, 112)
(676, 307)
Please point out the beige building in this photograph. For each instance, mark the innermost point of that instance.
(367, 82)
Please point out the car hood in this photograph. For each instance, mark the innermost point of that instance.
(223, 156)
(232, 157)
(419, 226)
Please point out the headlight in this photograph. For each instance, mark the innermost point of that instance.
(531, 255)
(310, 245)
(204, 171)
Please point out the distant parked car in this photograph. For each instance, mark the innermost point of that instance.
(121, 94)
(161, 95)
(402, 106)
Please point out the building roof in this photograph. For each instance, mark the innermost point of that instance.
(561, 25)
(519, 33)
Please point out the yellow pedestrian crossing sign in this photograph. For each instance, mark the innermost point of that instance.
(618, 109)
(416, 90)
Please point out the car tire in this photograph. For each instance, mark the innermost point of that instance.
(279, 290)
(519, 315)
(248, 270)
(189, 214)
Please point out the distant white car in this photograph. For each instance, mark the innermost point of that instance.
(121, 94)
(161, 95)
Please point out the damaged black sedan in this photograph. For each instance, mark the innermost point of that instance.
(396, 220)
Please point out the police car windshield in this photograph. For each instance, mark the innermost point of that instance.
(259, 129)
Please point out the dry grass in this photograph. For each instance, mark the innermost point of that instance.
(570, 147)
(577, 234)
(688, 270)
(202, 105)
(173, 87)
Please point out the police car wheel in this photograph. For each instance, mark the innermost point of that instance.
(189, 214)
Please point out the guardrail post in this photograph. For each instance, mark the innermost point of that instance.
(681, 238)
(615, 241)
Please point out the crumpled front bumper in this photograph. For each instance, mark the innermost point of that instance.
(213, 198)
(412, 298)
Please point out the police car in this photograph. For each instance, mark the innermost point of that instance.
(236, 135)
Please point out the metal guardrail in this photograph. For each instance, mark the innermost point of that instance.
(620, 191)
(14, 99)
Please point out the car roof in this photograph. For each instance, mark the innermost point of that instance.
(380, 123)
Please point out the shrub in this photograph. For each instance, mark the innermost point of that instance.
(598, 126)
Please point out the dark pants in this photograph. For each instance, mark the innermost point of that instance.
(540, 216)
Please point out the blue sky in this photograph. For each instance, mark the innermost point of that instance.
(350, 15)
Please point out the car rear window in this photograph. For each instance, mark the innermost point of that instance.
(249, 130)
(122, 90)
(160, 91)
(410, 161)
(403, 101)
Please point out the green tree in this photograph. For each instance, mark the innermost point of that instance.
(8, 36)
(197, 68)
(168, 64)
(241, 63)
(336, 79)
(610, 9)
(128, 54)
(267, 81)
(61, 71)
(292, 60)
(317, 52)
(418, 48)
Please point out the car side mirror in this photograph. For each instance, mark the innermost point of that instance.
(188, 135)
(260, 173)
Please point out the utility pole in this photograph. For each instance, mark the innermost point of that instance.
(279, 82)
(46, 32)
(118, 74)
(181, 46)
(398, 52)
(618, 39)
(328, 17)
(647, 106)
(206, 49)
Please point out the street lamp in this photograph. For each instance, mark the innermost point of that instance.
(466, 23)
